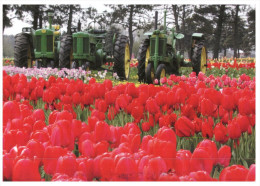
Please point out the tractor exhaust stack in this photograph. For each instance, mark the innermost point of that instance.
(164, 23)
(50, 16)
(156, 20)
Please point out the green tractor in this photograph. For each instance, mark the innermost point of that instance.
(41, 45)
(89, 50)
(157, 55)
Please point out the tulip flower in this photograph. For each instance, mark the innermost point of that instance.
(251, 173)
(26, 170)
(234, 173)
(184, 127)
(224, 155)
(221, 133)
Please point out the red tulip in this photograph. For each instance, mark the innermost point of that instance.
(161, 98)
(211, 148)
(8, 160)
(60, 177)
(220, 133)
(38, 114)
(180, 96)
(102, 131)
(10, 111)
(110, 97)
(87, 167)
(50, 158)
(39, 125)
(107, 168)
(101, 147)
(197, 122)
(243, 122)
(168, 177)
(75, 98)
(206, 107)
(67, 165)
(207, 128)
(131, 90)
(188, 111)
(200, 176)
(182, 165)
(151, 106)
(234, 173)
(101, 105)
(154, 168)
(171, 98)
(145, 126)
(244, 106)
(234, 130)
(201, 160)
(87, 149)
(251, 173)
(111, 113)
(26, 170)
(76, 126)
(64, 115)
(224, 155)
(184, 127)
(227, 102)
(61, 134)
(126, 169)
(36, 148)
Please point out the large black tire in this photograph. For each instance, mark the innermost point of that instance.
(65, 55)
(176, 65)
(199, 57)
(23, 50)
(109, 39)
(150, 74)
(160, 72)
(120, 54)
(141, 59)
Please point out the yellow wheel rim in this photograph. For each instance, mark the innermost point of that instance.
(163, 73)
(147, 56)
(203, 60)
(127, 61)
(29, 58)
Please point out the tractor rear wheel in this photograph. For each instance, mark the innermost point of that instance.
(160, 72)
(23, 54)
(143, 57)
(65, 55)
(150, 74)
(199, 58)
(122, 57)
(109, 40)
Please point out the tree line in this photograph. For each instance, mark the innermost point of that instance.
(225, 26)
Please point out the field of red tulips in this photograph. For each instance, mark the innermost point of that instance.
(188, 129)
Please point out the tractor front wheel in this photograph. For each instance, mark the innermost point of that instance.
(160, 72)
(23, 54)
(65, 55)
(149, 73)
(122, 57)
(199, 58)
